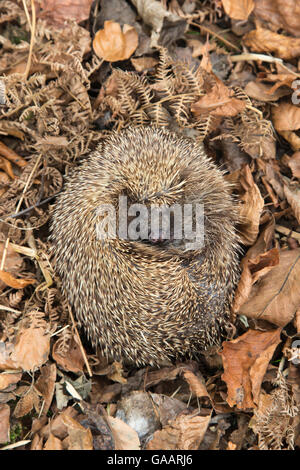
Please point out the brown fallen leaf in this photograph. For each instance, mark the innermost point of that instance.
(264, 40)
(58, 11)
(276, 296)
(12, 281)
(53, 443)
(13, 261)
(125, 437)
(37, 443)
(112, 44)
(262, 92)
(294, 163)
(72, 360)
(245, 361)
(280, 14)
(196, 386)
(57, 426)
(29, 399)
(183, 433)
(4, 423)
(46, 385)
(80, 438)
(286, 117)
(144, 63)
(252, 270)
(7, 167)
(220, 101)
(262, 244)
(251, 207)
(292, 193)
(11, 155)
(238, 10)
(292, 138)
(32, 348)
(7, 378)
(6, 359)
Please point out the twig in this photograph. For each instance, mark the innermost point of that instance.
(80, 343)
(15, 445)
(8, 309)
(28, 209)
(27, 182)
(27, 14)
(32, 37)
(214, 34)
(19, 205)
(288, 232)
(4, 254)
(252, 56)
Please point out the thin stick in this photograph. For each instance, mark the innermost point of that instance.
(4, 254)
(27, 14)
(32, 37)
(80, 344)
(252, 56)
(27, 182)
(287, 232)
(18, 207)
(214, 34)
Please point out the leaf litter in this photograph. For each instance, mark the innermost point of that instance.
(70, 73)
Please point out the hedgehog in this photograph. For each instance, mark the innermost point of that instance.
(147, 300)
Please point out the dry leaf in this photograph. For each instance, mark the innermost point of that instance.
(280, 14)
(13, 261)
(184, 433)
(6, 359)
(29, 399)
(220, 101)
(196, 386)
(264, 40)
(292, 193)
(238, 10)
(197, 47)
(58, 11)
(166, 27)
(72, 360)
(11, 155)
(112, 44)
(262, 92)
(245, 361)
(11, 281)
(32, 348)
(292, 138)
(57, 426)
(116, 374)
(251, 207)
(294, 163)
(53, 443)
(46, 385)
(7, 378)
(124, 436)
(253, 269)
(80, 438)
(286, 117)
(4, 423)
(276, 296)
(144, 63)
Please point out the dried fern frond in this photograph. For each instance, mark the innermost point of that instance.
(274, 423)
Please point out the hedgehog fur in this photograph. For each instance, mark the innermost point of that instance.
(141, 302)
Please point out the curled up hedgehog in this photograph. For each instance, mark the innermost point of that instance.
(144, 299)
